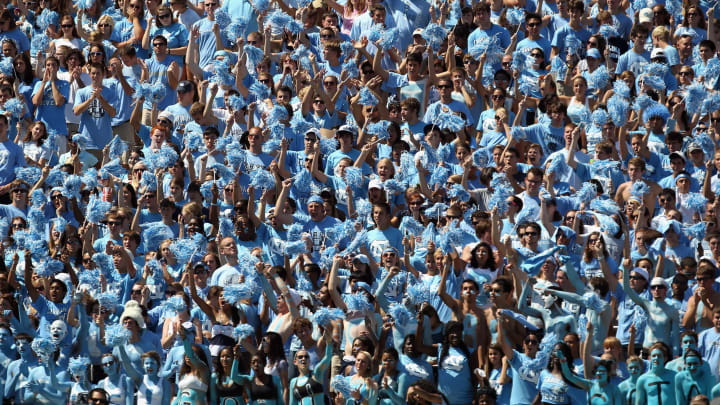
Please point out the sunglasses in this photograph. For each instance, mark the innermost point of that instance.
(444, 86)
(114, 223)
(330, 83)
(135, 6)
(318, 102)
(136, 292)
(531, 342)
(95, 53)
(701, 279)
(531, 25)
(685, 73)
(530, 234)
(326, 36)
(104, 25)
(637, 278)
(158, 44)
(164, 16)
(657, 287)
(67, 25)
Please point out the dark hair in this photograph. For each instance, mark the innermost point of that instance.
(27, 76)
(450, 327)
(200, 354)
(489, 263)
(276, 353)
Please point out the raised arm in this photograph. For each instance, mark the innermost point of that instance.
(523, 306)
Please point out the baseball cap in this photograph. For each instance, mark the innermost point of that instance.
(676, 155)
(646, 15)
(312, 131)
(658, 281)
(362, 259)
(167, 115)
(657, 53)
(693, 146)
(184, 86)
(418, 31)
(593, 53)
(642, 272)
(375, 183)
(326, 192)
(348, 129)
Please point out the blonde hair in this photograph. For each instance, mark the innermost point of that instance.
(662, 33)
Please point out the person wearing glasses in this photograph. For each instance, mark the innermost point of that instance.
(161, 70)
(131, 28)
(18, 206)
(210, 38)
(447, 104)
(534, 39)
(699, 314)
(663, 322)
(176, 34)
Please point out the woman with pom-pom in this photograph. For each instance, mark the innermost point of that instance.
(151, 388)
(222, 314)
(174, 323)
(227, 365)
(363, 389)
(308, 387)
(194, 376)
(392, 381)
(119, 387)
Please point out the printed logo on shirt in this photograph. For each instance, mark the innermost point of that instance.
(96, 110)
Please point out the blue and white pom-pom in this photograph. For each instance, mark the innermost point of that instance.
(435, 34)
(358, 302)
(30, 174)
(148, 182)
(262, 180)
(342, 385)
(259, 90)
(639, 189)
(400, 314)
(156, 234)
(116, 335)
(43, 347)
(38, 199)
(175, 303)
(49, 268)
(254, 54)
(15, 107)
(380, 129)
(242, 332)
(458, 192)
(520, 61)
(6, 67)
(608, 224)
(587, 193)
(711, 103)
(96, 209)
(695, 94)
(605, 206)
(260, 5)
(366, 97)
(239, 292)
(324, 316)
(222, 18)
(107, 300)
(91, 278)
(621, 89)
(351, 68)
(410, 226)
(448, 120)
(78, 365)
(618, 108)
(388, 38)
(117, 147)
(236, 103)
(696, 231)
(515, 15)
(695, 202)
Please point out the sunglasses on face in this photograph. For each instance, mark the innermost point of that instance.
(164, 16)
(67, 25)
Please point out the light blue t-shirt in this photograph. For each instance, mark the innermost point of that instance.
(95, 121)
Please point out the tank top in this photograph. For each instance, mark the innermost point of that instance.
(225, 390)
(266, 391)
(308, 388)
(75, 392)
(221, 338)
(150, 393)
(116, 394)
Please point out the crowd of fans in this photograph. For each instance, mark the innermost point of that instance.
(379, 202)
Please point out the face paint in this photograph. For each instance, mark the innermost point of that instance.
(22, 346)
(58, 331)
(601, 374)
(5, 337)
(688, 343)
(150, 366)
(548, 300)
(692, 363)
(634, 368)
(108, 365)
(657, 359)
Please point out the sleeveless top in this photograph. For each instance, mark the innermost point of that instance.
(229, 390)
(116, 394)
(191, 382)
(150, 393)
(266, 391)
(308, 388)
